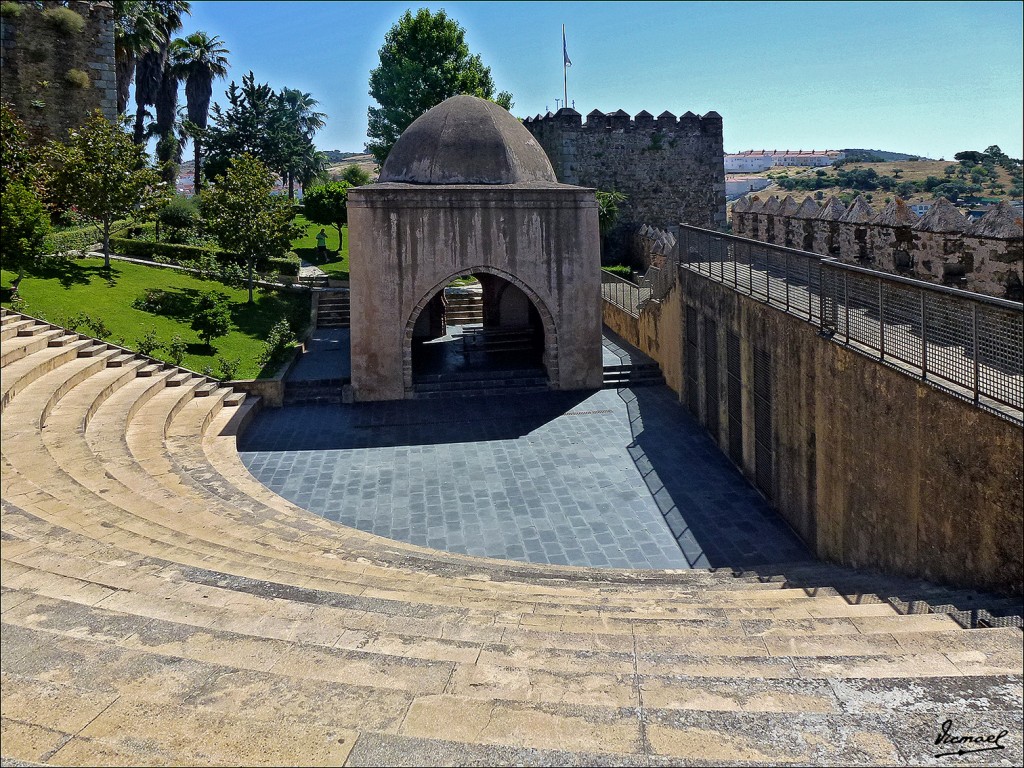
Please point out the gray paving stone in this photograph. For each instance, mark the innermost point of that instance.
(612, 485)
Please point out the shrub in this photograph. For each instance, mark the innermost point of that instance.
(65, 20)
(229, 367)
(78, 78)
(72, 240)
(279, 341)
(287, 265)
(11, 10)
(179, 213)
(176, 254)
(148, 344)
(23, 226)
(621, 270)
(177, 349)
(151, 301)
(212, 317)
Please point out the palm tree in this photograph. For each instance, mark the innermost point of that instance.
(151, 85)
(301, 121)
(199, 60)
(136, 30)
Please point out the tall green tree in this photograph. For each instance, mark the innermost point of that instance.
(24, 222)
(199, 59)
(155, 82)
(299, 121)
(250, 124)
(100, 170)
(424, 60)
(327, 205)
(244, 215)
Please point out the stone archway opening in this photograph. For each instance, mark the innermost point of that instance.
(478, 325)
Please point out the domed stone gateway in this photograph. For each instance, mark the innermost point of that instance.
(468, 192)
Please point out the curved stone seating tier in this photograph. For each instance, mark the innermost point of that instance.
(159, 605)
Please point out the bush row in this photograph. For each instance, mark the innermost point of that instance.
(287, 265)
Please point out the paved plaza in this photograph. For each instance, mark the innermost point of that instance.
(613, 478)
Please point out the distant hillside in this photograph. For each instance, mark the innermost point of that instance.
(336, 156)
(879, 156)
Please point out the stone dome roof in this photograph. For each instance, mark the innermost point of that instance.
(467, 140)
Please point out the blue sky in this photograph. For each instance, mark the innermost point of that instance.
(932, 78)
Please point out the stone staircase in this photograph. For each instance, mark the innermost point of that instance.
(514, 381)
(315, 392)
(160, 605)
(463, 306)
(333, 308)
(632, 375)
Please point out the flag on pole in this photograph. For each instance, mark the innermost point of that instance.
(565, 52)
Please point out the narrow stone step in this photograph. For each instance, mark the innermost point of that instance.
(234, 399)
(10, 330)
(63, 340)
(33, 330)
(149, 370)
(119, 360)
(92, 351)
(204, 390)
(178, 379)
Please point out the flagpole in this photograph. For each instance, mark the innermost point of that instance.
(565, 80)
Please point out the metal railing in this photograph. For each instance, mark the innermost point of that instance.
(968, 344)
(622, 293)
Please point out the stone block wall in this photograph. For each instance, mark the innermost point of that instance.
(985, 256)
(670, 169)
(35, 60)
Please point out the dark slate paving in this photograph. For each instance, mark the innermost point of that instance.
(327, 356)
(611, 478)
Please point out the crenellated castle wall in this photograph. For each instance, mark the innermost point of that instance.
(985, 256)
(38, 63)
(670, 169)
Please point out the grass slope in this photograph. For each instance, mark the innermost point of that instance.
(305, 247)
(59, 290)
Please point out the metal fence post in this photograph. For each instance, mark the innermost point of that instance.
(881, 318)
(975, 350)
(924, 335)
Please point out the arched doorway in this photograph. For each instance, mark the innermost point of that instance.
(478, 326)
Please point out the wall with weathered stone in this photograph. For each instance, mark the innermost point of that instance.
(37, 58)
(408, 241)
(670, 170)
(986, 256)
(871, 467)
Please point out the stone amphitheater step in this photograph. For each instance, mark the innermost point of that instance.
(119, 360)
(14, 327)
(63, 340)
(178, 379)
(159, 604)
(92, 351)
(18, 347)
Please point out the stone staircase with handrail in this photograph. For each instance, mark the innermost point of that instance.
(159, 605)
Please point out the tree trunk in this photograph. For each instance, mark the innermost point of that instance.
(252, 265)
(291, 186)
(106, 245)
(341, 235)
(197, 172)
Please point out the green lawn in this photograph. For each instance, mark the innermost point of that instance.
(60, 290)
(305, 246)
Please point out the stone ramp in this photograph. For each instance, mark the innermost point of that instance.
(160, 606)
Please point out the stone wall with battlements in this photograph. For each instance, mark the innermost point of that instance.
(986, 256)
(670, 169)
(54, 77)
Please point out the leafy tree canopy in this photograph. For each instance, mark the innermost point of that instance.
(328, 205)
(424, 60)
(104, 174)
(245, 217)
(355, 176)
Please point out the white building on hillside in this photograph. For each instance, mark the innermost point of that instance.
(754, 160)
